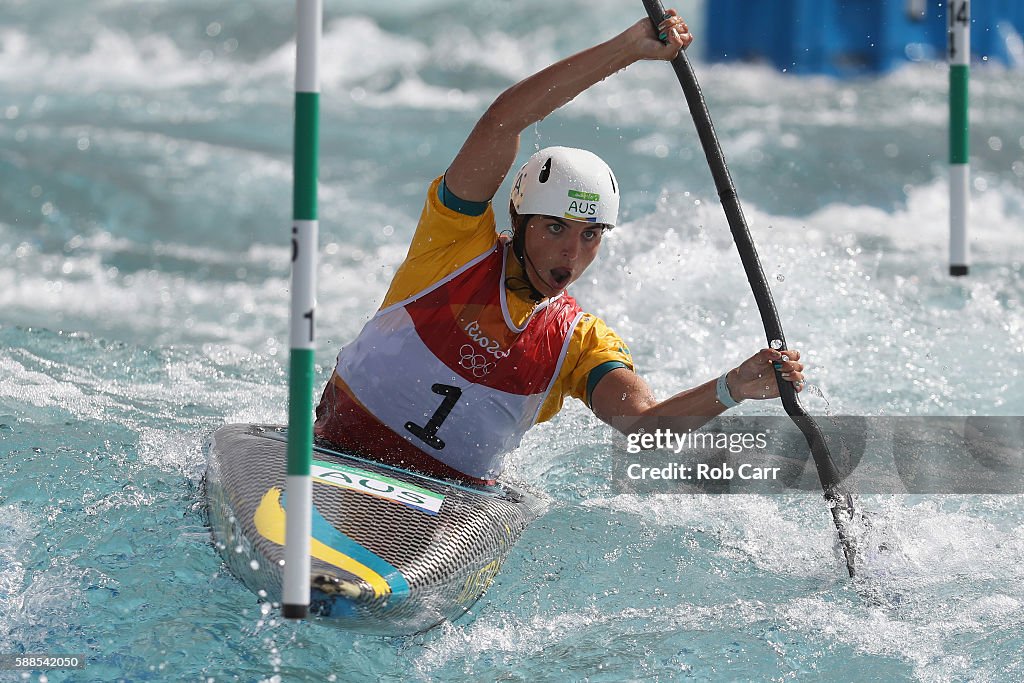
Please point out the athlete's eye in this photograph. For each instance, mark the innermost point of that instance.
(591, 235)
(555, 228)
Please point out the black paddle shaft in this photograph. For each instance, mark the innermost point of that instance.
(838, 497)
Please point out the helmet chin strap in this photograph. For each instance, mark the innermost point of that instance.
(519, 251)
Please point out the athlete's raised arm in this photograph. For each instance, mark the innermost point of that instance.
(489, 151)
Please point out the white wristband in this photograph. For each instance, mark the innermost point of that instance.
(723, 394)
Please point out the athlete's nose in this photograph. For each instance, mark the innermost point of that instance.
(571, 247)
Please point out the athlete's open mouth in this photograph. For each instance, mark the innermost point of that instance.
(560, 276)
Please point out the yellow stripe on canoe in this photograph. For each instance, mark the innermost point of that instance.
(269, 519)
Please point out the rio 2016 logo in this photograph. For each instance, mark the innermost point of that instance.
(491, 346)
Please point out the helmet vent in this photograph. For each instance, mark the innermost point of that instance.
(614, 189)
(545, 171)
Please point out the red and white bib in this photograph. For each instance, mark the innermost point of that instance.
(450, 372)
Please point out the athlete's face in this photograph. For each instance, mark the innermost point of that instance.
(558, 251)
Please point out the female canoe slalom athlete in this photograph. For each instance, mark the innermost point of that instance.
(477, 340)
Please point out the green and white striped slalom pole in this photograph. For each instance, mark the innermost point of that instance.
(959, 44)
(299, 486)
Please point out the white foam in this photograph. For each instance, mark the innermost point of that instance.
(114, 60)
(413, 92)
(17, 528)
(593, 636)
(354, 48)
(31, 600)
(789, 536)
(36, 388)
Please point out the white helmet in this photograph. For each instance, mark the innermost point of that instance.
(567, 183)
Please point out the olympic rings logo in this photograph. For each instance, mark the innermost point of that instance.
(473, 361)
